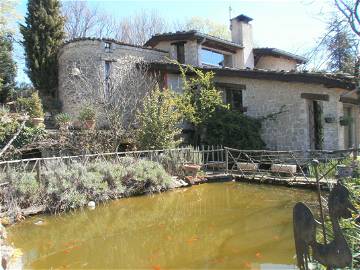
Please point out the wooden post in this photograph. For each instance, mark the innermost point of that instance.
(316, 164)
(226, 161)
(38, 171)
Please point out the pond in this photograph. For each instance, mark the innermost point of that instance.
(211, 226)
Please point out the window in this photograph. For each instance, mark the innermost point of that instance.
(234, 99)
(180, 52)
(107, 46)
(211, 58)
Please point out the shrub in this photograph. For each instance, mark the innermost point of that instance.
(112, 174)
(8, 126)
(200, 99)
(86, 114)
(27, 190)
(73, 185)
(62, 192)
(62, 118)
(234, 129)
(146, 177)
(29, 135)
(159, 121)
(32, 105)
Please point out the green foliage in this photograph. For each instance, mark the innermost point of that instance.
(62, 118)
(207, 26)
(233, 129)
(42, 35)
(29, 135)
(87, 113)
(71, 185)
(146, 176)
(8, 15)
(32, 105)
(7, 68)
(200, 99)
(8, 126)
(27, 190)
(342, 46)
(159, 120)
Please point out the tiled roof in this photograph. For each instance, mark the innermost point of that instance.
(331, 80)
(110, 40)
(278, 52)
(191, 34)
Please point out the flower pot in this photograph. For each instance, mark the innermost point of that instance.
(89, 124)
(64, 126)
(37, 121)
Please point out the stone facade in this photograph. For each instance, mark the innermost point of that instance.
(290, 130)
(89, 57)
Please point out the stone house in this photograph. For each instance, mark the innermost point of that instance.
(257, 81)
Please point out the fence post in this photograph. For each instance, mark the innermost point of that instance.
(38, 171)
(226, 161)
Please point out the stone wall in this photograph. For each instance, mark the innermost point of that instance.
(90, 56)
(275, 63)
(290, 130)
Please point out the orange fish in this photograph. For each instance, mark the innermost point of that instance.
(247, 265)
(156, 267)
(66, 251)
(169, 237)
(258, 254)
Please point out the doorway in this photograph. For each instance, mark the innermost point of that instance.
(348, 128)
(316, 132)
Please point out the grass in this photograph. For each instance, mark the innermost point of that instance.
(71, 186)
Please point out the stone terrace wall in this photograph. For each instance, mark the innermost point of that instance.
(91, 55)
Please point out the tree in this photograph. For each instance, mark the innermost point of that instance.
(42, 35)
(7, 68)
(83, 21)
(159, 121)
(350, 10)
(7, 15)
(342, 47)
(206, 26)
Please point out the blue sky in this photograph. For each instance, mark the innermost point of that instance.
(292, 25)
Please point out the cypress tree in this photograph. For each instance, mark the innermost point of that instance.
(43, 33)
(7, 67)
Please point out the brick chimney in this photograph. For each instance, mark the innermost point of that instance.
(241, 33)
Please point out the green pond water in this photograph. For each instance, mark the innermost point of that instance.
(211, 226)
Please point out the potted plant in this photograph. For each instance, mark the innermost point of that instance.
(63, 120)
(87, 117)
(33, 106)
(345, 120)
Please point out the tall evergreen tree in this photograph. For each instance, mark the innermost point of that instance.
(43, 33)
(7, 67)
(342, 46)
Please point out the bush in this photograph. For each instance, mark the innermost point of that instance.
(29, 135)
(32, 105)
(233, 129)
(70, 186)
(159, 120)
(146, 177)
(62, 118)
(27, 190)
(87, 114)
